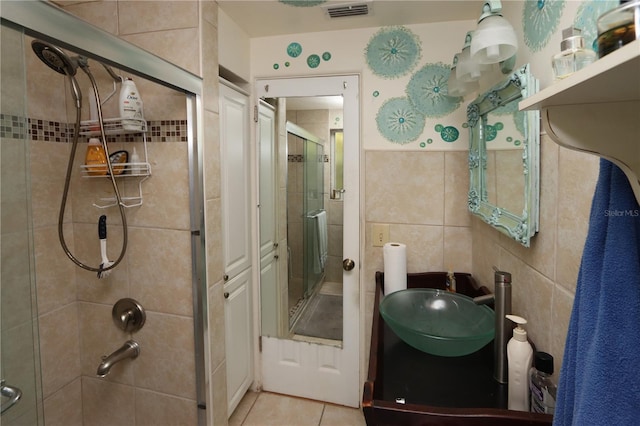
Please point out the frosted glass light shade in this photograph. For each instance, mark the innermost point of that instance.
(459, 88)
(469, 70)
(494, 40)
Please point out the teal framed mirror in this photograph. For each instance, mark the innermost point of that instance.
(504, 151)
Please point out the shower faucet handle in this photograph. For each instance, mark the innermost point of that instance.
(128, 315)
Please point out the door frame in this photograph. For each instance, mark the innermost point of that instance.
(352, 346)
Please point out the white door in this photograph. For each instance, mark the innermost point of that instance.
(236, 244)
(235, 172)
(267, 165)
(311, 370)
(238, 342)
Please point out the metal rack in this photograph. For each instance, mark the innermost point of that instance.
(138, 170)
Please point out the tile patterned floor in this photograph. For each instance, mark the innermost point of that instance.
(270, 409)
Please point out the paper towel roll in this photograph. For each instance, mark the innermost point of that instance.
(395, 267)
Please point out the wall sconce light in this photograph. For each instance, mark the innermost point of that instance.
(468, 69)
(456, 87)
(494, 39)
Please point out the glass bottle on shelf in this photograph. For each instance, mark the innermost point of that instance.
(574, 56)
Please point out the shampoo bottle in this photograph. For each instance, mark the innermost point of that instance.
(130, 106)
(519, 356)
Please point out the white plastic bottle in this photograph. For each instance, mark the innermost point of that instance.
(519, 356)
(130, 103)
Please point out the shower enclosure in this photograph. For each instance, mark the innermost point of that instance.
(56, 318)
(306, 217)
(21, 386)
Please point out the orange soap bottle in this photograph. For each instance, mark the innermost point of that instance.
(95, 158)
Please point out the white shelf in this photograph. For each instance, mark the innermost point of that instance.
(614, 78)
(113, 126)
(130, 170)
(597, 110)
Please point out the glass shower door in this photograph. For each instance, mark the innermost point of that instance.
(313, 207)
(21, 389)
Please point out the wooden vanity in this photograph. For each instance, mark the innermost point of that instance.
(408, 387)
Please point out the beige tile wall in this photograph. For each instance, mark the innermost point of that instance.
(544, 275)
(75, 307)
(422, 196)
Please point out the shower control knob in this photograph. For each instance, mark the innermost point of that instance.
(348, 264)
(128, 315)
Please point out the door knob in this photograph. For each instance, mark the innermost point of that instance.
(348, 264)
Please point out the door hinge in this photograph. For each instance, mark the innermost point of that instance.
(260, 344)
(255, 113)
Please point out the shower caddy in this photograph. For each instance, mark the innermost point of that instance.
(140, 171)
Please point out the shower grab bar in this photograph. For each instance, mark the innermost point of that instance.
(11, 392)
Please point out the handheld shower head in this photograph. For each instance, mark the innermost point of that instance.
(60, 62)
(55, 58)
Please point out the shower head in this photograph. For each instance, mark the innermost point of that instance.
(55, 58)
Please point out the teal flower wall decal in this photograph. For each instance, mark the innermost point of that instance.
(294, 49)
(587, 16)
(399, 122)
(429, 93)
(447, 133)
(540, 19)
(313, 61)
(491, 131)
(393, 52)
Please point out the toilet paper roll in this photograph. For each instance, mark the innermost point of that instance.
(395, 267)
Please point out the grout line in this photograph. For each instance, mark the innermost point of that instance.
(324, 407)
(251, 408)
(244, 419)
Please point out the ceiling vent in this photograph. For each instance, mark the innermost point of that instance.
(348, 9)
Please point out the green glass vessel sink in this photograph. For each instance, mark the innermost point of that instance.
(438, 322)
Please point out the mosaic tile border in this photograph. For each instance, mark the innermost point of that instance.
(12, 126)
(16, 127)
(299, 158)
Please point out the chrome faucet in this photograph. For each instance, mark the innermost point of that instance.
(130, 349)
(502, 306)
(503, 327)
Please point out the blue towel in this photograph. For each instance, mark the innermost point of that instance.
(600, 375)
